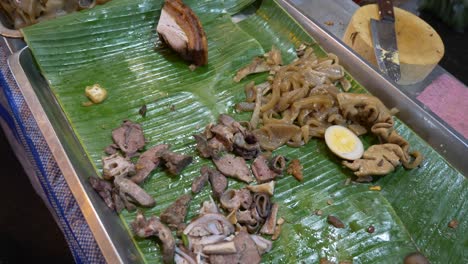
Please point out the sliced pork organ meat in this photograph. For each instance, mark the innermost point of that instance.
(104, 189)
(174, 162)
(129, 138)
(234, 167)
(202, 146)
(147, 162)
(134, 191)
(224, 134)
(174, 215)
(154, 227)
(199, 182)
(262, 171)
(217, 180)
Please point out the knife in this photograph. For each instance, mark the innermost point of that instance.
(385, 43)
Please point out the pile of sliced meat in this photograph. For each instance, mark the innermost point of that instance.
(228, 228)
(213, 237)
(230, 143)
(209, 238)
(120, 187)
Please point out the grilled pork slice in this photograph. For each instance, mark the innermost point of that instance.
(180, 28)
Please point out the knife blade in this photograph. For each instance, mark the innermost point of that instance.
(385, 42)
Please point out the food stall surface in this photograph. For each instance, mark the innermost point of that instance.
(31, 228)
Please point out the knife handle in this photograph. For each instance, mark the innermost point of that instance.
(386, 10)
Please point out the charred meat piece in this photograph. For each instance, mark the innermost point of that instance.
(175, 162)
(174, 215)
(246, 145)
(217, 180)
(262, 171)
(147, 162)
(153, 227)
(247, 251)
(234, 167)
(104, 189)
(295, 169)
(199, 182)
(142, 110)
(180, 28)
(134, 191)
(116, 166)
(129, 138)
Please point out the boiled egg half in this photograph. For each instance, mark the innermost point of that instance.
(343, 142)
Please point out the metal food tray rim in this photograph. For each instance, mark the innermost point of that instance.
(104, 223)
(94, 211)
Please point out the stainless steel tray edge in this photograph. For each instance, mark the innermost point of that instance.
(114, 251)
(439, 136)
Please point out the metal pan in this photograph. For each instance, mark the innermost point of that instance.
(110, 234)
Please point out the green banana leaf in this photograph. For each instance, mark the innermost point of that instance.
(116, 46)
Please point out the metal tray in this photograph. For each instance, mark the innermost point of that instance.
(111, 236)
